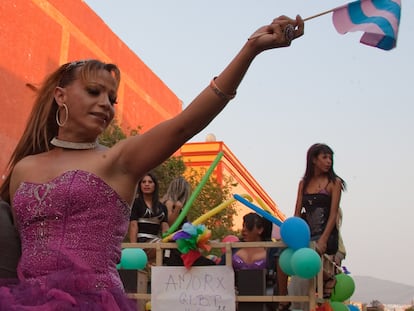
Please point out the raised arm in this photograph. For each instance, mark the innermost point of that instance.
(138, 154)
(174, 209)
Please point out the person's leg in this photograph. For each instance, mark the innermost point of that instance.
(282, 280)
(282, 288)
(299, 287)
(329, 280)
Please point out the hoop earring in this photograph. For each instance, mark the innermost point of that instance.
(61, 124)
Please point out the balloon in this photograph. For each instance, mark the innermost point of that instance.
(217, 209)
(276, 232)
(193, 196)
(306, 263)
(285, 261)
(353, 308)
(338, 306)
(210, 213)
(133, 259)
(275, 228)
(258, 210)
(344, 287)
(263, 205)
(295, 233)
(229, 238)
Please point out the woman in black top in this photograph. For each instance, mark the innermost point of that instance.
(318, 199)
(149, 217)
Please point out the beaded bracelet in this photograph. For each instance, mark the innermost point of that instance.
(219, 92)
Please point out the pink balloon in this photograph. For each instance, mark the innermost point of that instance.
(229, 238)
(276, 232)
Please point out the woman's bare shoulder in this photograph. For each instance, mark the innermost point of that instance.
(22, 171)
(29, 162)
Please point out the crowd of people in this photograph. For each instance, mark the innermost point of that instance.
(66, 199)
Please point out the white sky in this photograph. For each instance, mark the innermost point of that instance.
(325, 88)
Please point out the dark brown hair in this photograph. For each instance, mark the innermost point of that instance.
(313, 152)
(252, 220)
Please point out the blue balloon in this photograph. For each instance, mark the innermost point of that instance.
(295, 233)
(133, 259)
(258, 210)
(353, 308)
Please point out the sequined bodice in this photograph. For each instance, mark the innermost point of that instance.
(75, 222)
(316, 210)
(239, 264)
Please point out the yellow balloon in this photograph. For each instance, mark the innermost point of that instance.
(264, 206)
(218, 209)
(212, 212)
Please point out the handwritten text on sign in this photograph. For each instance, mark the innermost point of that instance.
(209, 288)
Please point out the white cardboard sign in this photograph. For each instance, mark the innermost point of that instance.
(207, 288)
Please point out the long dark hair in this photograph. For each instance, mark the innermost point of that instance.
(155, 195)
(313, 152)
(252, 220)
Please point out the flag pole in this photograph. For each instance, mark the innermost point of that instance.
(319, 14)
(306, 19)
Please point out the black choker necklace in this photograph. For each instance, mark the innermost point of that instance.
(71, 145)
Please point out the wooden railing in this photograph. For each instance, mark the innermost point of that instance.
(314, 296)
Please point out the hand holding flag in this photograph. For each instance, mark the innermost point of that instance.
(379, 19)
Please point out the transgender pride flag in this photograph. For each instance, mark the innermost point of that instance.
(379, 19)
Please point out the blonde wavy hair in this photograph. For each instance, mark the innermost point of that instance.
(178, 190)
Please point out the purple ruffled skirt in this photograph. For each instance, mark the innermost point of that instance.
(61, 292)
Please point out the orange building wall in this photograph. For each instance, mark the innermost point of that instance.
(39, 35)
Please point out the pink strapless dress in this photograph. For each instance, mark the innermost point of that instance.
(71, 230)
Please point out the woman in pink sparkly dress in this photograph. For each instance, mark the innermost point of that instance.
(71, 197)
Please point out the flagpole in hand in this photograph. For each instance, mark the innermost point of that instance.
(306, 19)
(319, 14)
(348, 18)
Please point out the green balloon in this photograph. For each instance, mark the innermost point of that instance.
(306, 263)
(193, 196)
(133, 259)
(344, 287)
(285, 261)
